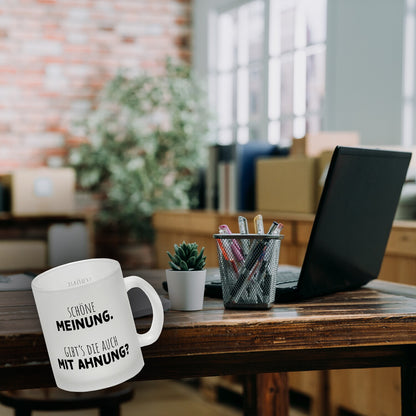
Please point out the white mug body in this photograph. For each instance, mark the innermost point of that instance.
(88, 324)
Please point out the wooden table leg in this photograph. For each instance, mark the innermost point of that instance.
(408, 379)
(266, 395)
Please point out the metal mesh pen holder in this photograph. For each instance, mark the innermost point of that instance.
(248, 269)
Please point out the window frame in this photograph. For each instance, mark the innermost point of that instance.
(205, 64)
(205, 55)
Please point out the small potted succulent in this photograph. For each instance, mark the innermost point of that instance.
(186, 277)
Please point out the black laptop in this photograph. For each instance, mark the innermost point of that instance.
(351, 228)
(352, 224)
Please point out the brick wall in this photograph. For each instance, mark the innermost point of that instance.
(56, 54)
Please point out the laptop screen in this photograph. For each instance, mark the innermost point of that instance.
(353, 220)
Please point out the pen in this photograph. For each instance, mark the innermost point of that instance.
(235, 247)
(224, 253)
(264, 276)
(275, 228)
(264, 269)
(244, 272)
(251, 266)
(258, 246)
(258, 224)
(243, 227)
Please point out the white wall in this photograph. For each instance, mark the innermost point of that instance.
(364, 68)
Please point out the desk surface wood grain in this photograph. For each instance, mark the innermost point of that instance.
(372, 326)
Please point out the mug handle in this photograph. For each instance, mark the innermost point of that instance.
(153, 333)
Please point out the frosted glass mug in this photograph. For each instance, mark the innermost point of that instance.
(88, 324)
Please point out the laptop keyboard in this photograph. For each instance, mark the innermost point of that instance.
(287, 275)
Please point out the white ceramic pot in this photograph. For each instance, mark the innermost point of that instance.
(186, 289)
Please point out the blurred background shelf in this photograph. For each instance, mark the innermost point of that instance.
(34, 243)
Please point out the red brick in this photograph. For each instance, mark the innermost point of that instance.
(87, 41)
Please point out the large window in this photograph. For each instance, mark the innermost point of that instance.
(266, 69)
(278, 69)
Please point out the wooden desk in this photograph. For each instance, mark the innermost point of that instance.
(372, 327)
(325, 389)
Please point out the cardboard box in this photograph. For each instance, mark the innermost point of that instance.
(286, 184)
(41, 191)
(313, 144)
(23, 255)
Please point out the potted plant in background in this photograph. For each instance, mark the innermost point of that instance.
(144, 148)
(186, 278)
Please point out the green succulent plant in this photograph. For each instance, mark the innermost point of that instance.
(187, 257)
